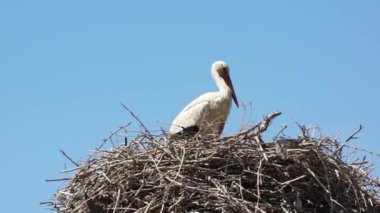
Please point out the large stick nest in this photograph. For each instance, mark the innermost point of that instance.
(240, 173)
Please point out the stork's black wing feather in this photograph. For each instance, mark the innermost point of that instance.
(187, 132)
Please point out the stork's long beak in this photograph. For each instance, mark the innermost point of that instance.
(228, 81)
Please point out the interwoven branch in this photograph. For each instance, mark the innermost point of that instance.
(154, 173)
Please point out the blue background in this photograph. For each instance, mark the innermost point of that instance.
(65, 67)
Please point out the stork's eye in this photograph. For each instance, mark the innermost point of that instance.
(223, 71)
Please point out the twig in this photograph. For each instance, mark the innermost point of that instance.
(258, 186)
(355, 133)
(266, 121)
(71, 160)
(136, 118)
(279, 132)
(58, 179)
(104, 141)
(317, 179)
(117, 201)
(292, 180)
(180, 166)
(339, 149)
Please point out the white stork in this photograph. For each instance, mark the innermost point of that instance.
(208, 113)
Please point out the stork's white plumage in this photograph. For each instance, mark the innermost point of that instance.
(208, 113)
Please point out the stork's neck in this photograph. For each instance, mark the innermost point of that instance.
(223, 87)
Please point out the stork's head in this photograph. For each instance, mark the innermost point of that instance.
(221, 73)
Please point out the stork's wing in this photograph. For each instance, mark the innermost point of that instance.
(192, 114)
(221, 127)
(187, 132)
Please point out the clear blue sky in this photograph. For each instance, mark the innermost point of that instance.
(65, 66)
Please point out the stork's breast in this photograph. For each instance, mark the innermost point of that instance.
(218, 111)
